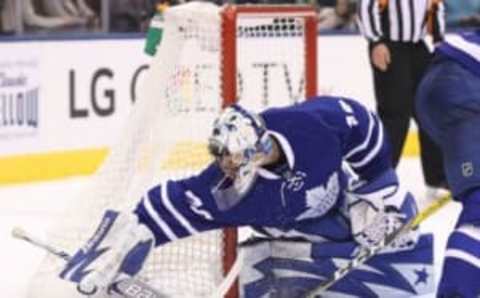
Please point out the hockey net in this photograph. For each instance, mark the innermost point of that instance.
(209, 57)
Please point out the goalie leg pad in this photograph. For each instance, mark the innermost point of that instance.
(282, 268)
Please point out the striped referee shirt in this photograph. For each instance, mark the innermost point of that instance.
(401, 20)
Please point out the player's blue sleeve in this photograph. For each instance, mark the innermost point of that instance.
(364, 143)
(171, 210)
(181, 208)
(172, 213)
(358, 133)
(366, 148)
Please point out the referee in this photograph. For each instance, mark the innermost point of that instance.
(396, 31)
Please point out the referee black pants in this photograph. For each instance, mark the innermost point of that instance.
(395, 94)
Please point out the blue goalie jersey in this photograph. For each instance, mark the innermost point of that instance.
(300, 198)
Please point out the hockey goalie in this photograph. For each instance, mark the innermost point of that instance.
(284, 173)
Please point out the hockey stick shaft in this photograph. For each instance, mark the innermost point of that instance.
(429, 210)
(20, 233)
(129, 287)
(366, 253)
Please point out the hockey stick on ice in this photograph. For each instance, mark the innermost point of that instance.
(366, 253)
(126, 286)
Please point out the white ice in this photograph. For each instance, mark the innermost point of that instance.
(35, 206)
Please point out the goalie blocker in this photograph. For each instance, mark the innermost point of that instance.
(318, 172)
(119, 247)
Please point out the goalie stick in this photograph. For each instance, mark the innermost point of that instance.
(367, 252)
(125, 286)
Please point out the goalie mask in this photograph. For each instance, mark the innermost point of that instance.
(238, 141)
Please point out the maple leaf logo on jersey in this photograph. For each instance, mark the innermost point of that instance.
(320, 199)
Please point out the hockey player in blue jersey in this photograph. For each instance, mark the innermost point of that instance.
(314, 179)
(448, 104)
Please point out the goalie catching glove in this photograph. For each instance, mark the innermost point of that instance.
(119, 246)
(379, 208)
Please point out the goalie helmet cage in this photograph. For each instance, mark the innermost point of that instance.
(209, 58)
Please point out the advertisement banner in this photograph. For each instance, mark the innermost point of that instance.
(19, 96)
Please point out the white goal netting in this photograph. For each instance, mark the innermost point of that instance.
(209, 57)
